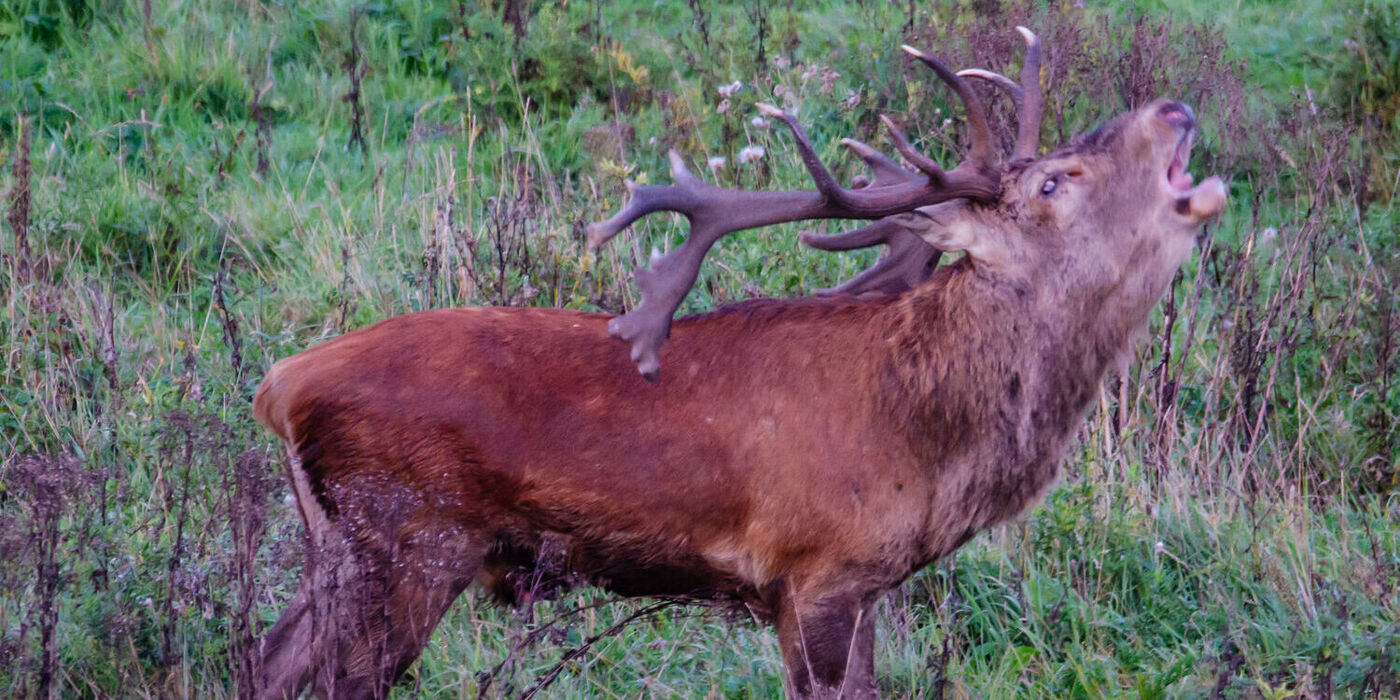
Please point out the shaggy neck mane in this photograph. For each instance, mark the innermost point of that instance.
(988, 373)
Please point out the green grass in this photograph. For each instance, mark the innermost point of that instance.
(1228, 524)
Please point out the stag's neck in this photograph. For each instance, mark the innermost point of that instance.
(969, 339)
(993, 377)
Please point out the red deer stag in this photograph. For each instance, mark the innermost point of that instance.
(797, 457)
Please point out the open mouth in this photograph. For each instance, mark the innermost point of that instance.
(1177, 177)
(1203, 200)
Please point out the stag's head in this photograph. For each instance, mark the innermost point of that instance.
(1112, 212)
(1113, 207)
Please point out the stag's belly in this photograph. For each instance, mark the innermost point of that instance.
(525, 567)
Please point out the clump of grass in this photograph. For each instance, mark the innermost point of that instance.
(1370, 80)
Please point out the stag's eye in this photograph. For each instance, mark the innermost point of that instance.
(1048, 188)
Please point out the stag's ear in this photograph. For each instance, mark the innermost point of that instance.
(954, 226)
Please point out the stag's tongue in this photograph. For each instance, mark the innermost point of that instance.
(1207, 199)
(1181, 179)
(1199, 202)
(1203, 200)
(1176, 172)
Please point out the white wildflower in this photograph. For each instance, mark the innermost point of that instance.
(716, 162)
(723, 106)
(751, 153)
(789, 98)
(759, 123)
(730, 89)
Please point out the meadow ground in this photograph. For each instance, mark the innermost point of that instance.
(195, 188)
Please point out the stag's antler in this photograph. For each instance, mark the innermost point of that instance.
(910, 259)
(715, 211)
(1026, 96)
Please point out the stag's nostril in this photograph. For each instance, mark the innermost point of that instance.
(1178, 115)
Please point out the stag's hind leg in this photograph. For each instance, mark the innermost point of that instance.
(828, 644)
(286, 650)
(303, 642)
(378, 578)
(294, 648)
(379, 619)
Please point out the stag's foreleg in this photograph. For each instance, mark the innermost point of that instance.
(828, 645)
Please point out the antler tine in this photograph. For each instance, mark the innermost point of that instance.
(1026, 96)
(1028, 138)
(642, 200)
(887, 172)
(864, 237)
(981, 155)
(821, 177)
(1017, 94)
(663, 288)
(925, 164)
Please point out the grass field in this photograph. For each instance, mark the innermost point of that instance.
(193, 189)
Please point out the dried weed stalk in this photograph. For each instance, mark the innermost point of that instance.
(356, 69)
(20, 196)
